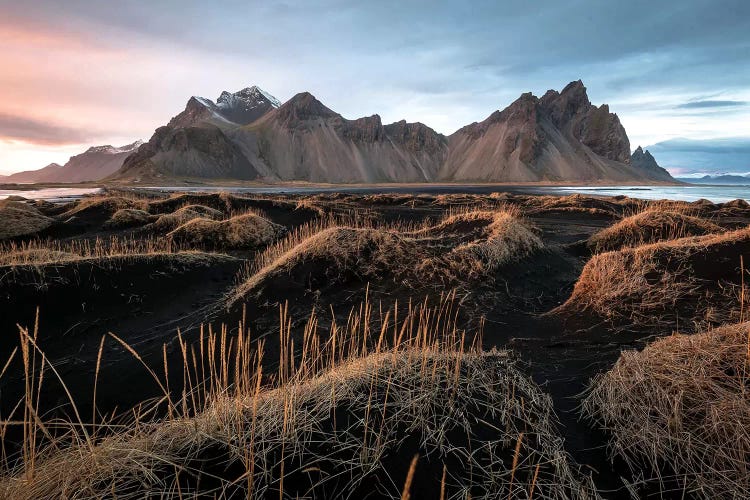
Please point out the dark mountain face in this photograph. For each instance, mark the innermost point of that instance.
(240, 108)
(643, 159)
(572, 112)
(305, 140)
(198, 143)
(558, 137)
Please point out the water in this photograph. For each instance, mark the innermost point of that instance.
(53, 195)
(716, 194)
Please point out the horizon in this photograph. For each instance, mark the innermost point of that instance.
(672, 72)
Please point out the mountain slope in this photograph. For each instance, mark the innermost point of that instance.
(197, 142)
(560, 137)
(305, 140)
(94, 164)
(247, 135)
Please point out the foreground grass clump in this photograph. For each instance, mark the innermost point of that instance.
(577, 203)
(20, 219)
(127, 218)
(247, 231)
(681, 405)
(351, 414)
(170, 221)
(688, 283)
(650, 226)
(466, 245)
(103, 204)
(501, 237)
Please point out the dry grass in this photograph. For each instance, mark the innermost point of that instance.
(248, 231)
(171, 221)
(495, 239)
(50, 252)
(687, 284)
(222, 202)
(649, 226)
(465, 245)
(342, 408)
(682, 405)
(127, 218)
(20, 219)
(104, 204)
(609, 207)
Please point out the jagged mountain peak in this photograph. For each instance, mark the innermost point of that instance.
(109, 149)
(302, 107)
(643, 159)
(230, 109)
(558, 137)
(249, 97)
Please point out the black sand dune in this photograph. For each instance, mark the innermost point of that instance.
(519, 272)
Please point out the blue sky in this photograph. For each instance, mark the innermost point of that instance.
(111, 72)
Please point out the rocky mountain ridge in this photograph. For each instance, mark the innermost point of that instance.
(94, 164)
(250, 135)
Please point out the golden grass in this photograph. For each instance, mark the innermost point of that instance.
(50, 252)
(127, 218)
(222, 201)
(687, 283)
(611, 207)
(173, 220)
(104, 203)
(682, 404)
(341, 407)
(651, 225)
(19, 219)
(247, 231)
(495, 238)
(466, 244)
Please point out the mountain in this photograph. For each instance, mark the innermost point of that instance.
(305, 140)
(559, 137)
(250, 135)
(644, 160)
(198, 143)
(94, 164)
(726, 179)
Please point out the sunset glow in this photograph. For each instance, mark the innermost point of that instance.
(83, 76)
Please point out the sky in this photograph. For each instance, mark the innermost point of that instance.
(80, 73)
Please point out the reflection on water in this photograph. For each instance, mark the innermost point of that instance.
(50, 194)
(716, 194)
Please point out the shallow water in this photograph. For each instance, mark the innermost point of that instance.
(50, 194)
(716, 194)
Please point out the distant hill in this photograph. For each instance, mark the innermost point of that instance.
(727, 179)
(250, 135)
(94, 164)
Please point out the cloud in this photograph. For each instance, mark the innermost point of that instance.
(446, 64)
(712, 104)
(40, 132)
(708, 156)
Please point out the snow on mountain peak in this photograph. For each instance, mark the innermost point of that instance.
(248, 98)
(111, 150)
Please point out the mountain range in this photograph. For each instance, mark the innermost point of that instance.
(250, 135)
(94, 164)
(724, 180)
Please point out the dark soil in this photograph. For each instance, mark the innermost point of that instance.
(146, 301)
